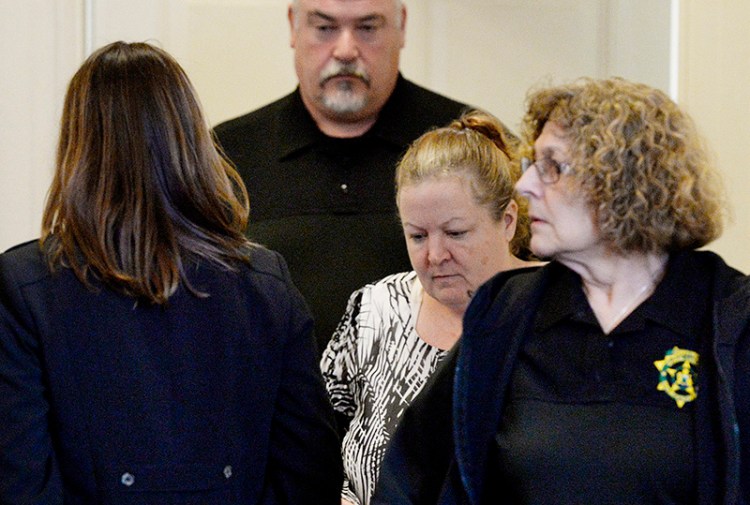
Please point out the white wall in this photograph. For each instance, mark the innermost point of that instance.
(485, 52)
(715, 84)
(40, 46)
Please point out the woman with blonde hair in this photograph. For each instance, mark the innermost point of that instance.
(462, 225)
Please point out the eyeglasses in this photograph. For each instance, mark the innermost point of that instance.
(548, 169)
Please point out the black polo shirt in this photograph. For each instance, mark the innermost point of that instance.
(327, 204)
(586, 420)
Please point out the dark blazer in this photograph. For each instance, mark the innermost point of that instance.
(206, 400)
(440, 450)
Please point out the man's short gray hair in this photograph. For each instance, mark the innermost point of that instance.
(397, 4)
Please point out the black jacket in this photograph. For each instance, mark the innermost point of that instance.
(439, 453)
(215, 400)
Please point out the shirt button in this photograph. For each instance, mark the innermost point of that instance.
(344, 188)
(228, 471)
(611, 344)
(127, 479)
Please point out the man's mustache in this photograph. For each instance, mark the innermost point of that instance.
(344, 70)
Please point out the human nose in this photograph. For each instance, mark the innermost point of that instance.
(346, 48)
(437, 252)
(529, 184)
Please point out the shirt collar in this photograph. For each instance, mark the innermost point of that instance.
(299, 131)
(563, 300)
(681, 299)
(684, 288)
(392, 125)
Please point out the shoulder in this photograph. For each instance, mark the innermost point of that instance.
(415, 105)
(385, 296)
(439, 110)
(258, 135)
(26, 281)
(412, 109)
(508, 293)
(256, 118)
(261, 287)
(394, 284)
(268, 267)
(23, 264)
(428, 100)
(730, 293)
(261, 282)
(728, 281)
(512, 285)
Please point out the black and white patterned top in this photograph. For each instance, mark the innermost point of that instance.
(374, 366)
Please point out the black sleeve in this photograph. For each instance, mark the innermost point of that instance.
(28, 467)
(305, 460)
(419, 456)
(742, 403)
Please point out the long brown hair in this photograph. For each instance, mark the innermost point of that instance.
(140, 189)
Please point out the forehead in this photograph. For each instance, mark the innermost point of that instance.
(451, 188)
(553, 138)
(349, 8)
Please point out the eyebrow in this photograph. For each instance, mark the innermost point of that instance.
(377, 18)
(547, 152)
(454, 220)
(315, 15)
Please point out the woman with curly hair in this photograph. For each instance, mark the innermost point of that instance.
(620, 371)
(462, 224)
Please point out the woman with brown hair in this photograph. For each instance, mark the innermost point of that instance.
(149, 353)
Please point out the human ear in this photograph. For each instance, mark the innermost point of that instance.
(510, 220)
(292, 28)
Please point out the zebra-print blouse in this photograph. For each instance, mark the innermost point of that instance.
(374, 366)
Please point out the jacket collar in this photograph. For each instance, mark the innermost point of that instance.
(479, 385)
(731, 316)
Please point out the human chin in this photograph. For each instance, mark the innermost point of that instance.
(344, 100)
(541, 247)
(454, 296)
(448, 287)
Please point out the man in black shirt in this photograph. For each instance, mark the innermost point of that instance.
(319, 162)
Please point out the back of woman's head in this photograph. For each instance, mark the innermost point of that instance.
(140, 190)
(475, 146)
(639, 162)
